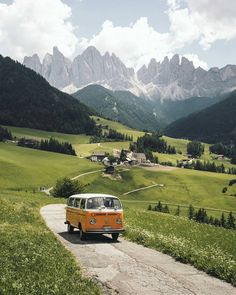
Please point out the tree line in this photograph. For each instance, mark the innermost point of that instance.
(208, 166)
(111, 135)
(5, 134)
(152, 142)
(228, 150)
(51, 145)
(199, 215)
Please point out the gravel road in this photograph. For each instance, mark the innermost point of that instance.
(128, 268)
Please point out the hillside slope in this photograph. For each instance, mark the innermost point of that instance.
(138, 112)
(27, 100)
(121, 106)
(216, 123)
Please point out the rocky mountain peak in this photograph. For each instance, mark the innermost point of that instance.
(174, 78)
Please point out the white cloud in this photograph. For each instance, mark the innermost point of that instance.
(28, 26)
(138, 43)
(204, 20)
(135, 44)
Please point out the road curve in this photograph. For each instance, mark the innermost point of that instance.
(128, 268)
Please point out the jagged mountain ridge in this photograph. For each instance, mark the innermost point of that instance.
(173, 78)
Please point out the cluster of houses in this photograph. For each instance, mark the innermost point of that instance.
(130, 159)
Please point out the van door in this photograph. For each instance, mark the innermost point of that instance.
(82, 214)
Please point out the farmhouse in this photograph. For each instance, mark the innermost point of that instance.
(97, 157)
(116, 153)
(139, 157)
(186, 162)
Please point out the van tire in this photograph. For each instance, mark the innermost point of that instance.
(82, 234)
(115, 237)
(70, 228)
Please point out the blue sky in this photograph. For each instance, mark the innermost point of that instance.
(135, 30)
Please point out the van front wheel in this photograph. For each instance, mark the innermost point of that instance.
(82, 234)
(70, 228)
(115, 236)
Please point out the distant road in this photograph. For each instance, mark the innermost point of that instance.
(47, 191)
(143, 188)
(126, 268)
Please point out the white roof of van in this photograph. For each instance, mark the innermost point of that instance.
(87, 196)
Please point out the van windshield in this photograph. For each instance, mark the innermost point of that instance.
(107, 202)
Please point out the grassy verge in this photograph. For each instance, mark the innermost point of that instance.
(32, 260)
(208, 248)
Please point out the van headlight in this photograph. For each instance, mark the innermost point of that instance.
(118, 221)
(92, 221)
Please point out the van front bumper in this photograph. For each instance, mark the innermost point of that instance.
(104, 231)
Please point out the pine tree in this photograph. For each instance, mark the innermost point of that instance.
(222, 220)
(166, 209)
(149, 207)
(177, 212)
(211, 220)
(190, 212)
(159, 207)
(230, 221)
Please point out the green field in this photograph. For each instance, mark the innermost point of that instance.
(39, 134)
(32, 260)
(119, 127)
(85, 150)
(27, 169)
(181, 186)
(24, 170)
(208, 248)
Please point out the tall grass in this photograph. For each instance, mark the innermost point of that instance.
(32, 260)
(208, 248)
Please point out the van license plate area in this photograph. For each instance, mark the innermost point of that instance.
(107, 228)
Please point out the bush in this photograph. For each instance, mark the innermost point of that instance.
(66, 187)
(232, 182)
(224, 190)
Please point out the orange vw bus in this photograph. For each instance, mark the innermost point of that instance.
(94, 213)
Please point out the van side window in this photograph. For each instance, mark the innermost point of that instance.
(70, 202)
(76, 203)
(82, 204)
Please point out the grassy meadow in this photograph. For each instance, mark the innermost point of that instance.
(119, 127)
(40, 134)
(208, 248)
(34, 262)
(180, 186)
(27, 169)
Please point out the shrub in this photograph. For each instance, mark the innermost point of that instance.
(232, 182)
(149, 207)
(224, 190)
(66, 187)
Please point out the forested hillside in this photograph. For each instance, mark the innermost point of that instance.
(214, 124)
(27, 100)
